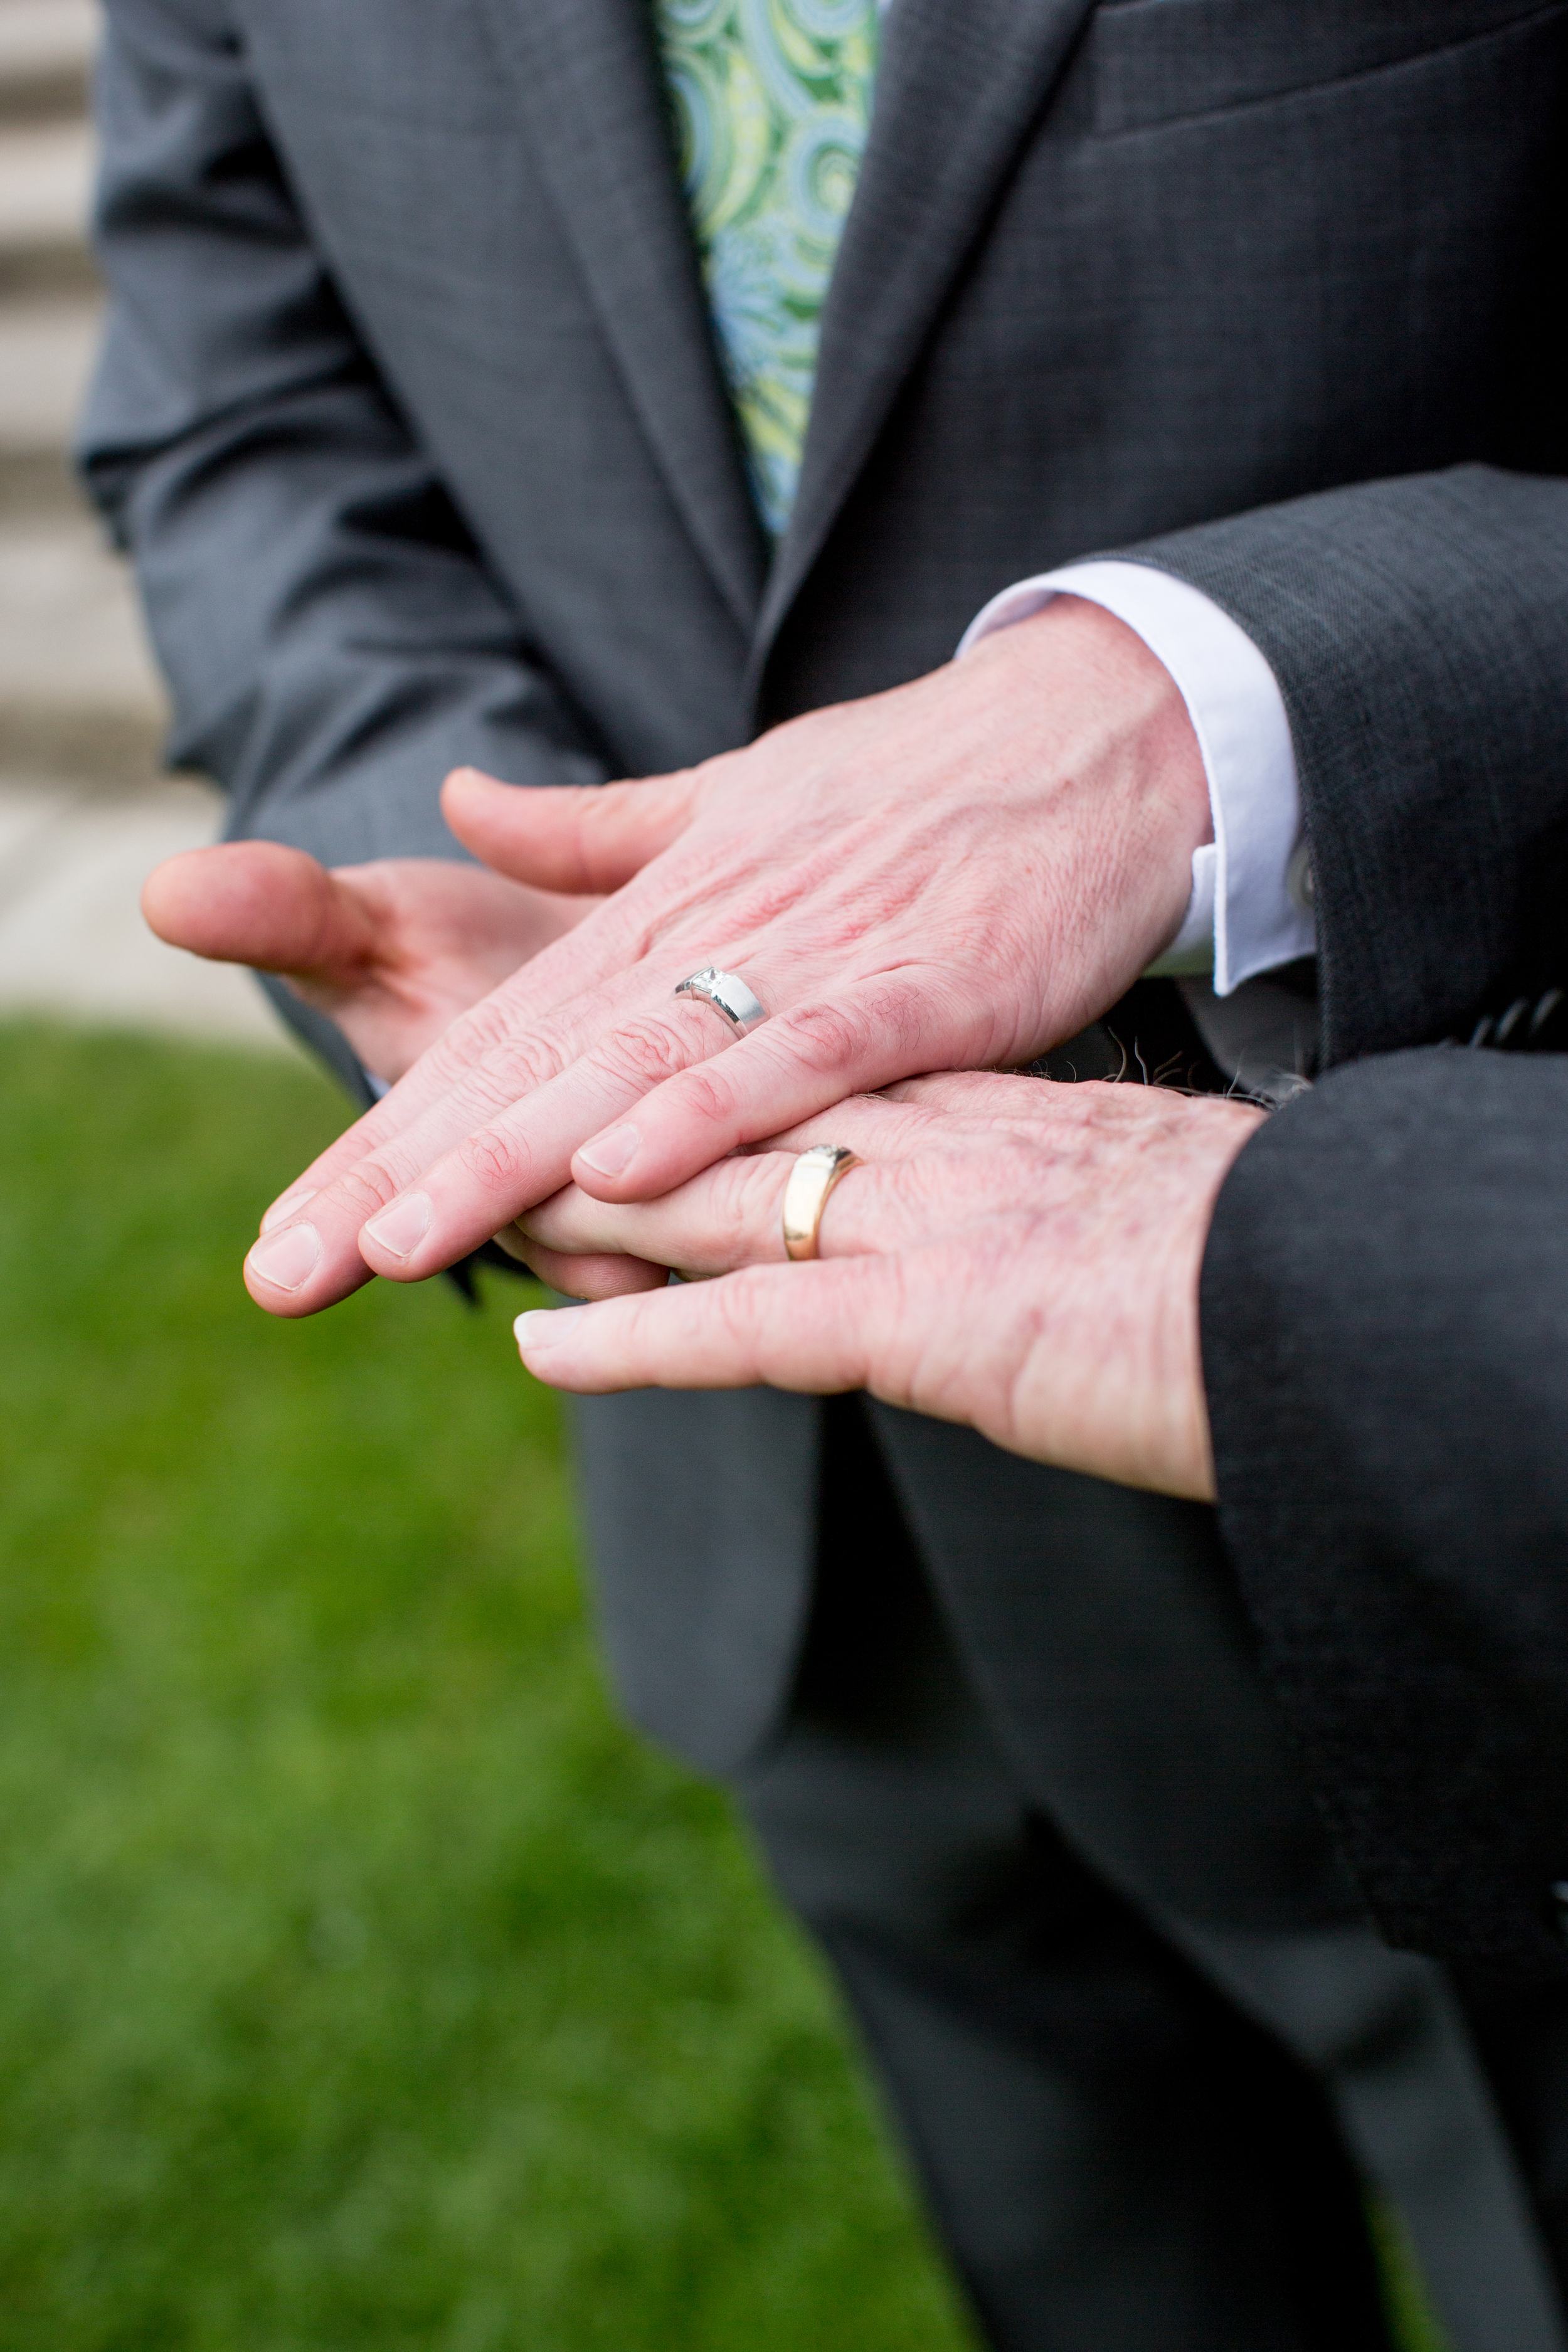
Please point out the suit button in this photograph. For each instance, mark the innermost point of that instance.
(1300, 881)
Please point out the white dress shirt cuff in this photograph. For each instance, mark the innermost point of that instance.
(1242, 915)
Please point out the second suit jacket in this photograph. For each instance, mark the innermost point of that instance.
(1385, 1345)
(410, 418)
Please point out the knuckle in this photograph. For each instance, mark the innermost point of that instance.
(894, 1281)
(482, 1029)
(367, 1188)
(745, 1203)
(739, 1301)
(706, 1094)
(495, 1160)
(645, 1053)
(900, 1011)
(449, 1060)
(512, 1070)
(825, 1037)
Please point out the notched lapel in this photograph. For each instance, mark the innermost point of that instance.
(587, 80)
(958, 88)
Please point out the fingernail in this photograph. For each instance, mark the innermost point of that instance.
(546, 1327)
(289, 1261)
(400, 1229)
(612, 1154)
(287, 1205)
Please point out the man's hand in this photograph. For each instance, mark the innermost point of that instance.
(1018, 1256)
(955, 874)
(392, 952)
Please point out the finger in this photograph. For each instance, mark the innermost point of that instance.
(441, 1204)
(732, 1216)
(583, 1277)
(786, 1325)
(817, 1329)
(514, 1025)
(915, 1116)
(795, 1065)
(606, 944)
(501, 1136)
(412, 1206)
(258, 903)
(283, 1271)
(728, 1216)
(483, 1151)
(576, 837)
(562, 998)
(580, 1277)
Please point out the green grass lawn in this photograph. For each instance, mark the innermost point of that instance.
(362, 1981)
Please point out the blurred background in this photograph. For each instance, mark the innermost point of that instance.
(361, 1980)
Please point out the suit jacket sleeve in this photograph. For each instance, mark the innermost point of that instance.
(1385, 1350)
(1419, 629)
(332, 639)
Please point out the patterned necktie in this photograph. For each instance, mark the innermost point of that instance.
(772, 98)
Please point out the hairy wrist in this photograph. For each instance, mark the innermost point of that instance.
(1102, 711)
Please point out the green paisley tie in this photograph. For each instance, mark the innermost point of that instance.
(772, 98)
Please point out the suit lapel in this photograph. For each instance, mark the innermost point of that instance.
(960, 84)
(587, 79)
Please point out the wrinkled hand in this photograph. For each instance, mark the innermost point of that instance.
(1018, 1256)
(954, 874)
(392, 952)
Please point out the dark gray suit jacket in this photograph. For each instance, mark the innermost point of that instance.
(1385, 1340)
(410, 417)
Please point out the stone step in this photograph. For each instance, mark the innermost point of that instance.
(84, 810)
(79, 694)
(47, 352)
(46, 189)
(45, 54)
(72, 940)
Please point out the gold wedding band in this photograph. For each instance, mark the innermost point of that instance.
(811, 1179)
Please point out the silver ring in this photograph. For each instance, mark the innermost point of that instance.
(727, 994)
(811, 1179)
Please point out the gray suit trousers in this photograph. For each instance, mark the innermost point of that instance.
(1147, 2052)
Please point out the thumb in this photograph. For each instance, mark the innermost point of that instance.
(588, 839)
(255, 902)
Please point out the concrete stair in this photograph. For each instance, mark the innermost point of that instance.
(45, 185)
(46, 58)
(47, 348)
(84, 808)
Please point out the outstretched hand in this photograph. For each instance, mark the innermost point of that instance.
(953, 875)
(392, 952)
(1018, 1256)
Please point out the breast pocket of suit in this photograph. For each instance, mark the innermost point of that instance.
(1157, 61)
